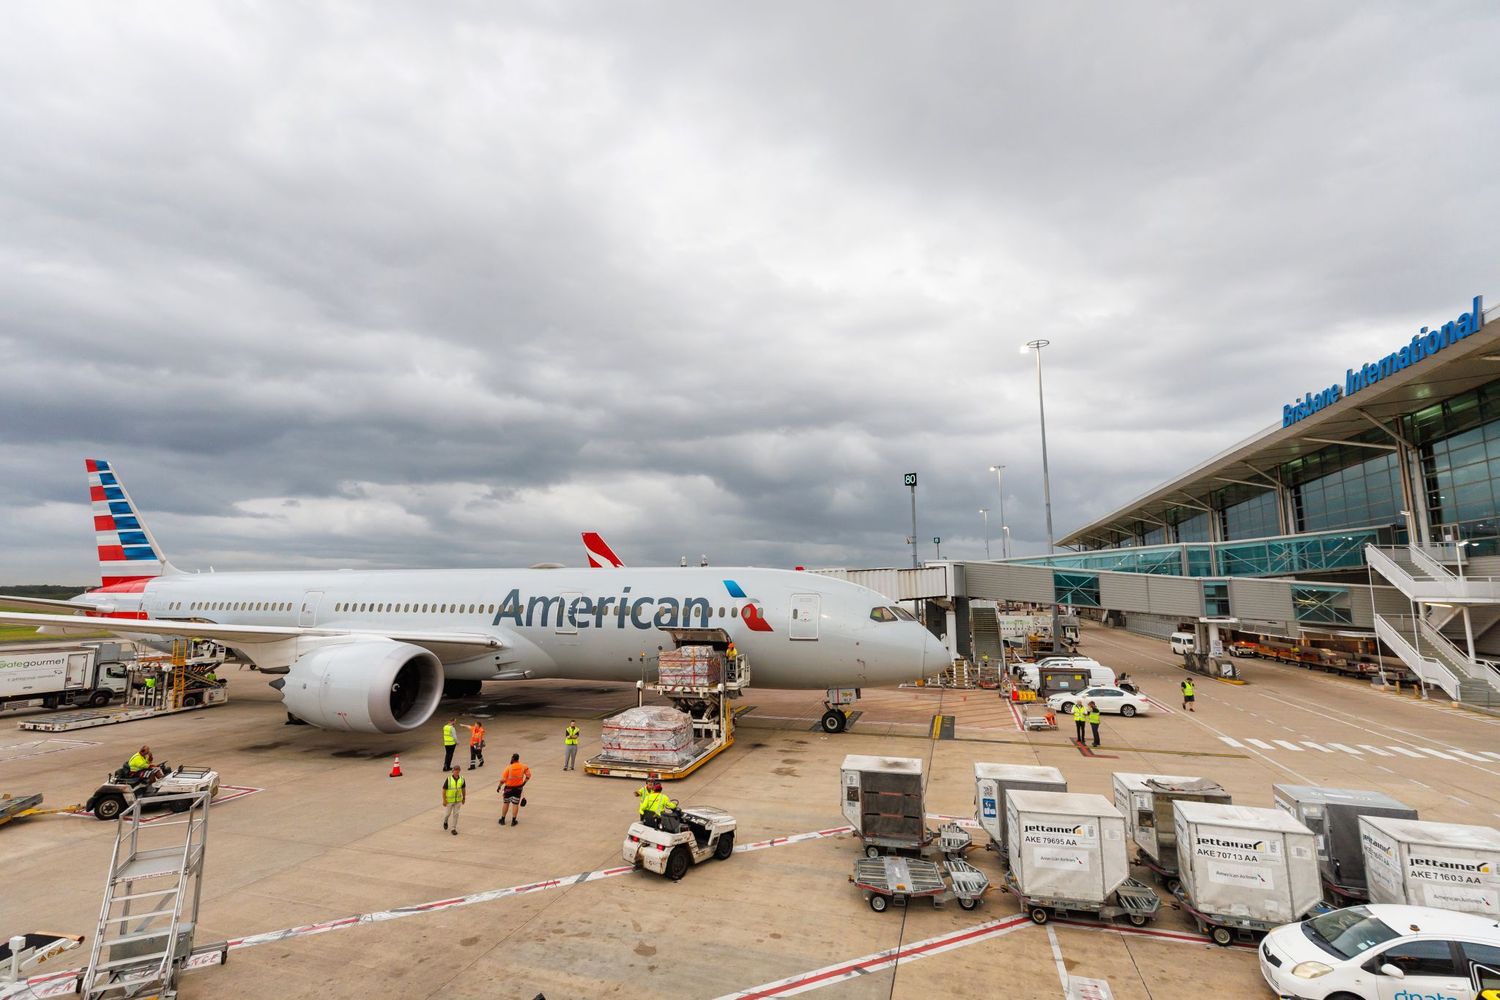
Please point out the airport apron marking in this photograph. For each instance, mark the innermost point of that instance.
(59, 984)
(1489, 756)
(830, 974)
(38, 748)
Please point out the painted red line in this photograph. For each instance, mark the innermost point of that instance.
(830, 833)
(538, 885)
(1144, 932)
(616, 871)
(439, 904)
(884, 959)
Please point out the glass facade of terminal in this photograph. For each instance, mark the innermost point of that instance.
(1338, 488)
(1461, 466)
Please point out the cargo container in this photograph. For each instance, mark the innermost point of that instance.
(1446, 865)
(1332, 814)
(1146, 800)
(992, 781)
(1065, 844)
(1244, 870)
(883, 801)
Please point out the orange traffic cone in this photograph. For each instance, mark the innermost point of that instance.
(396, 767)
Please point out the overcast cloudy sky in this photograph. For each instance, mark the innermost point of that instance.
(404, 285)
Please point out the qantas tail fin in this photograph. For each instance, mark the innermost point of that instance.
(599, 552)
(127, 552)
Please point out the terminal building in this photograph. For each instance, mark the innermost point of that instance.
(1366, 518)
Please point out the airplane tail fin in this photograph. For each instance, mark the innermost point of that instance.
(599, 552)
(128, 554)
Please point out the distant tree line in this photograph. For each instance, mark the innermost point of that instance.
(54, 591)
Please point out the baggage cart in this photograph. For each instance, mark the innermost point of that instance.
(1333, 814)
(1136, 901)
(888, 880)
(1146, 801)
(1037, 717)
(991, 784)
(1244, 870)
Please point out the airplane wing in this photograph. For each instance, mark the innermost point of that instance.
(41, 603)
(445, 645)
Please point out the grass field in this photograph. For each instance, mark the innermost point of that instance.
(25, 633)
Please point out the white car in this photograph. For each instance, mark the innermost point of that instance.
(1111, 701)
(1382, 951)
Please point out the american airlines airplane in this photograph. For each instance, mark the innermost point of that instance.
(374, 651)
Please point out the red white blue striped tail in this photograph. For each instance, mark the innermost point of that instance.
(127, 552)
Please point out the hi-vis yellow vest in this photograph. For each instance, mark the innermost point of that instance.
(453, 790)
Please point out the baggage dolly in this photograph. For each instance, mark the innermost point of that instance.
(950, 840)
(12, 808)
(1170, 878)
(1225, 929)
(898, 880)
(1136, 901)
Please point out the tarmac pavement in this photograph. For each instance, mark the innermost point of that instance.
(338, 880)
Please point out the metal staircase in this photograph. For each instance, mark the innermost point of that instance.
(150, 908)
(986, 635)
(1430, 655)
(1405, 643)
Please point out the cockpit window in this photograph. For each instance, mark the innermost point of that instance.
(882, 615)
(904, 615)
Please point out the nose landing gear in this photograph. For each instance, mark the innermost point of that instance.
(836, 705)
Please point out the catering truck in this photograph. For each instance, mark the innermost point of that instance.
(79, 675)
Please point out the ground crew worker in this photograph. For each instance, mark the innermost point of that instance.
(1094, 719)
(570, 747)
(654, 804)
(1187, 695)
(732, 652)
(455, 794)
(1080, 715)
(645, 789)
(140, 762)
(512, 783)
(151, 689)
(450, 740)
(476, 745)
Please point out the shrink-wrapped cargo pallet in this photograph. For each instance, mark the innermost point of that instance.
(652, 734)
(690, 666)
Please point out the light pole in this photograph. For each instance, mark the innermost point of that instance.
(999, 471)
(986, 512)
(1037, 345)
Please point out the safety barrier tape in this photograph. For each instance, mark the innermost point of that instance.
(61, 983)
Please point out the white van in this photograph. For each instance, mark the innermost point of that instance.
(1184, 642)
(1099, 674)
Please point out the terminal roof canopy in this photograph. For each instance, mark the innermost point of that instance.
(1471, 363)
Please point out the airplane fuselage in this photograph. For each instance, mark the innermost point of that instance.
(799, 630)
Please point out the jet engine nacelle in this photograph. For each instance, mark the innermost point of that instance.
(366, 686)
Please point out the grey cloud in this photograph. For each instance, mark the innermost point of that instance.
(707, 277)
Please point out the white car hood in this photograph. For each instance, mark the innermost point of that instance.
(1291, 944)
